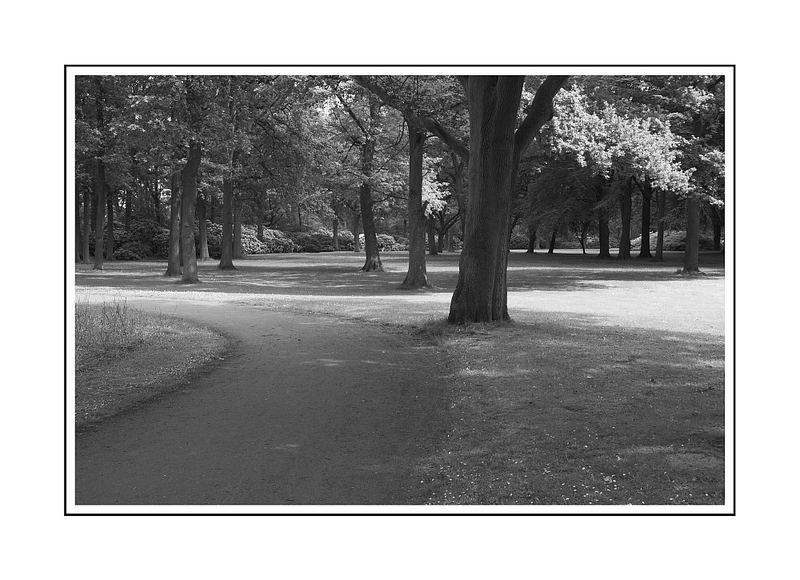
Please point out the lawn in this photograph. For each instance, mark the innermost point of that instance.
(607, 388)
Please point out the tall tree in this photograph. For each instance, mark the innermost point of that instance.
(496, 144)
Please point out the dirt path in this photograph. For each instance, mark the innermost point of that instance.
(307, 410)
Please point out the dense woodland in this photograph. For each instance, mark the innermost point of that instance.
(193, 168)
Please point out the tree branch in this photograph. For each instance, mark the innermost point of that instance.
(539, 112)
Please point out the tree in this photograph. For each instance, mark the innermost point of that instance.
(496, 144)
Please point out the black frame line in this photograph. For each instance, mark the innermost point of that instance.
(67, 513)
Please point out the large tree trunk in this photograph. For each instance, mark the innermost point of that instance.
(100, 209)
(373, 259)
(480, 294)
(647, 198)
(202, 228)
(110, 226)
(531, 238)
(238, 250)
(691, 255)
(87, 223)
(188, 200)
(174, 249)
(625, 218)
(226, 244)
(662, 212)
(417, 276)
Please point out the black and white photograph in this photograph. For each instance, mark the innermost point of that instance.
(354, 293)
(399, 290)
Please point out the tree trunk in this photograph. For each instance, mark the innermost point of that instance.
(202, 228)
(584, 233)
(128, 208)
(226, 243)
(551, 248)
(602, 222)
(373, 259)
(647, 198)
(260, 229)
(188, 200)
(531, 238)
(662, 211)
(691, 255)
(431, 227)
(440, 242)
(87, 223)
(110, 226)
(100, 209)
(238, 250)
(480, 294)
(417, 275)
(625, 218)
(335, 233)
(356, 234)
(174, 249)
(716, 223)
(78, 236)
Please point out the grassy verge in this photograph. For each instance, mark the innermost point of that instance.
(124, 357)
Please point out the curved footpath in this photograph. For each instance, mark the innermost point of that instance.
(305, 410)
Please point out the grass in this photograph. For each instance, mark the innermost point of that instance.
(124, 357)
(608, 387)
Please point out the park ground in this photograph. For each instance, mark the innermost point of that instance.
(607, 388)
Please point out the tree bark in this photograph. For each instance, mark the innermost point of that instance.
(110, 224)
(602, 221)
(100, 209)
(373, 259)
(226, 243)
(480, 294)
(128, 208)
(417, 275)
(238, 250)
(716, 223)
(625, 218)
(188, 201)
(647, 199)
(691, 255)
(174, 248)
(202, 229)
(531, 238)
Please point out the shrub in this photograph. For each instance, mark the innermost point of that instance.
(133, 251)
(674, 241)
(518, 242)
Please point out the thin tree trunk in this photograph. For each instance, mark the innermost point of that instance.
(531, 238)
(226, 258)
(551, 248)
(110, 226)
(356, 234)
(174, 249)
(335, 233)
(87, 223)
(662, 211)
(78, 236)
(602, 222)
(691, 255)
(188, 201)
(625, 218)
(238, 250)
(431, 227)
(584, 233)
(647, 198)
(373, 258)
(202, 228)
(128, 201)
(100, 208)
(716, 223)
(417, 275)
(260, 229)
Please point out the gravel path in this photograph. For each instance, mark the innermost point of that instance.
(306, 410)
